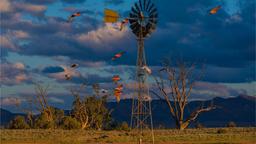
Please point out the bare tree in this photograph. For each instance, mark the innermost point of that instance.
(42, 103)
(175, 86)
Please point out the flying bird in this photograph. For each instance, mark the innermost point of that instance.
(116, 78)
(214, 10)
(118, 55)
(70, 18)
(147, 69)
(162, 69)
(117, 94)
(119, 88)
(123, 23)
(67, 76)
(103, 91)
(74, 65)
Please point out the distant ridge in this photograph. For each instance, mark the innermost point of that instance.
(240, 110)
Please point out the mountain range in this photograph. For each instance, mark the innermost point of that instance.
(241, 110)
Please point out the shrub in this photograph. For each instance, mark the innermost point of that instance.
(199, 126)
(18, 122)
(231, 124)
(69, 123)
(124, 126)
(221, 131)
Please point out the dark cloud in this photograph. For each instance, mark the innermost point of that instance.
(53, 69)
(38, 1)
(185, 31)
(73, 1)
(114, 2)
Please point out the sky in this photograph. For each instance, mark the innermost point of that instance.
(38, 45)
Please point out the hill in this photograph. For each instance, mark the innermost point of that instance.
(240, 110)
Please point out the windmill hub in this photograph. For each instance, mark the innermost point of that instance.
(143, 18)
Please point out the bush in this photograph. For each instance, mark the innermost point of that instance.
(199, 126)
(221, 131)
(231, 124)
(18, 122)
(69, 123)
(124, 126)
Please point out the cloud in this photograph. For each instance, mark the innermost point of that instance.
(7, 43)
(30, 7)
(53, 69)
(10, 101)
(60, 76)
(208, 90)
(12, 74)
(5, 6)
(56, 100)
(19, 66)
(73, 1)
(20, 34)
(114, 2)
(102, 38)
(236, 18)
(40, 1)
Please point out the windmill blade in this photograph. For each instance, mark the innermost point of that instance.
(144, 5)
(137, 7)
(153, 18)
(151, 26)
(153, 11)
(141, 8)
(135, 11)
(133, 16)
(148, 5)
(153, 22)
(150, 8)
(134, 26)
(133, 22)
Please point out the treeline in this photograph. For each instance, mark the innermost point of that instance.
(88, 113)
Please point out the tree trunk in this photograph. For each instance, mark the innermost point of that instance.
(182, 125)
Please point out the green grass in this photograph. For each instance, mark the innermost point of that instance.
(172, 136)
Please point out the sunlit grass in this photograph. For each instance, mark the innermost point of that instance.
(213, 136)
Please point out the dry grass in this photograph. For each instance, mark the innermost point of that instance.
(211, 136)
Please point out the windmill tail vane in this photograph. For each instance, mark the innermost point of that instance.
(111, 16)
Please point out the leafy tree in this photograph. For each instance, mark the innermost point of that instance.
(91, 111)
(43, 120)
(18, 122)
(70, 123)
(98, 114)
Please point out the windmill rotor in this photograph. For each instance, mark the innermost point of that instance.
(143, 18)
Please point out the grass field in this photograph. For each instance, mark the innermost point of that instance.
(170, 136)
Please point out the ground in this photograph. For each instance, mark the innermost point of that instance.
(168, 136)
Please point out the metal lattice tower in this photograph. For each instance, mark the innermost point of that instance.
(143, 20)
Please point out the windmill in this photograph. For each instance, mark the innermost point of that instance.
(143, 20)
